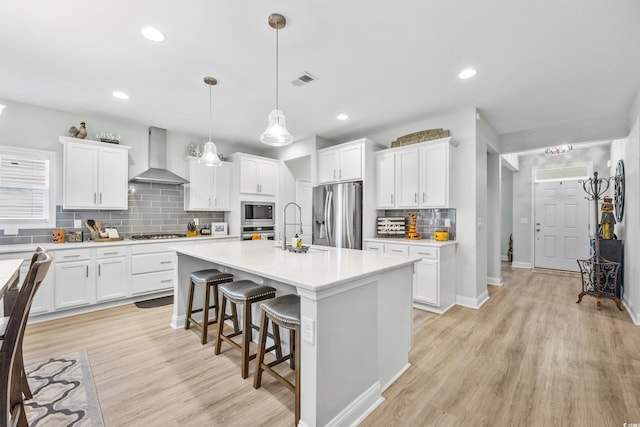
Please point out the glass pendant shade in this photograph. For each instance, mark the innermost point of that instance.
(210, 155)
(276, 133)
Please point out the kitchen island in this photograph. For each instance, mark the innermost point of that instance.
(355, 311)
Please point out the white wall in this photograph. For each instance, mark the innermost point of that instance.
(494, 219)
(470, 279)
(523, 232)
(506, 203)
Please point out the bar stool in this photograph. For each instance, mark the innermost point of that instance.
(244, 292)
(283, 311)
(208, 279)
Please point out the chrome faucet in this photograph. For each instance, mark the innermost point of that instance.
(284, 222)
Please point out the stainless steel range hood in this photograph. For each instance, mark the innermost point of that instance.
(157, 171)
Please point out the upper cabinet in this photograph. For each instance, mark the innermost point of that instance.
(95, 175)
(258, 175)
(344, 162)
(208, 188)
(422, 176)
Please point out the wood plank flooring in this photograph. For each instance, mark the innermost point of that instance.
(530, 356)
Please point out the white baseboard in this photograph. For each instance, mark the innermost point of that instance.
(359, 409)
(431, 308)
(635, 317)
(475, 303)
(517, 264)
(504, 258)
(395, 377)
(496, 281)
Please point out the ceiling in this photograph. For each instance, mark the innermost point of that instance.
(539, 63)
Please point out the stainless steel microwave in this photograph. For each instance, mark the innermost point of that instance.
(257, 213)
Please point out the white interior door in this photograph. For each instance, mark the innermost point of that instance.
(561, 225)
(304, 197)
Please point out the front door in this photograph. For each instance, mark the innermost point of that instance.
(561, 225)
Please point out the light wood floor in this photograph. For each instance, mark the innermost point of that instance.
(530, 356)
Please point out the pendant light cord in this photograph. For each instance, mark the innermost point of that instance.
(210, 114)
(277, 31)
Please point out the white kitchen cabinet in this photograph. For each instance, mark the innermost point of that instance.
(420, 176)
(152, 268)
(208, 188)
(112, 274)
(341, 163)
(385, 179)
(407, 178)
(43, 299)
(258, 175)
(94, 175)
(434, 276)
(74, 279)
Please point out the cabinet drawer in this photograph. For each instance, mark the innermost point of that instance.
(72, 255)
(111, 252)
(150, 263)
(374, 247)
(424, 252)
(394, 249)
(148, 248)
(152, 282)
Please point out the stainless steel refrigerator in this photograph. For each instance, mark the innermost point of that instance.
(337, 215)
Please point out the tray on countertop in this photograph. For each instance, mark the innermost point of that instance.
(107, 239)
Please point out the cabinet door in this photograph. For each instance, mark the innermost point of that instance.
(249, 175)
(434, 174)
(111, 279)
(327, 161)
(267, 177)
(385, 180)
(374, 247)
(350, 163)
(200, 186)
(73, 281)
(42, 300)
(426, 285)
(407, 176)
(221, 185)
(113, 178)
(80, 179)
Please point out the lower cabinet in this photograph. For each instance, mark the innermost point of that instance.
(112, 277)
(74, 279)
(152, 268)
(434, 276)
(43, 299)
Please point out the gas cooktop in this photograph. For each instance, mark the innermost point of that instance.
(157, 236)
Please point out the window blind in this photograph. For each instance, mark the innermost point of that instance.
(24, 188)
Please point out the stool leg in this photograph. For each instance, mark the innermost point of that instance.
(189, 304)
(276, 339)
(216, 311)
(234, 318)
(223, 308)
(262, 343)
(292, 350)
(205, 315)
(297, 356)
(246, 337)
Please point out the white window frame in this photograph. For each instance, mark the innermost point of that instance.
(50, 222)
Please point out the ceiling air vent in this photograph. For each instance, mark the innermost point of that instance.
(303, 79)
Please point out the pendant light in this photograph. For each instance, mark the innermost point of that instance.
(210, 153)
(276, 133)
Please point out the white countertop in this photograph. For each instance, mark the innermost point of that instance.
(313, 271)
(421, 242)
(89, 244)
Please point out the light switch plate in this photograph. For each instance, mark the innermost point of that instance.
(196, 221)
(447, 222)
(308, 329)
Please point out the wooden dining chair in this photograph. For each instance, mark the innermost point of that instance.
(11, 366)
(12, 294)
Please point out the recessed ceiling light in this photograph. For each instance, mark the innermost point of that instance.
(465, 74)
(342, 116)
(120, 95)
(153, 34)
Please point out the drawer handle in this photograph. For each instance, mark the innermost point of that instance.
(397, 250)
(71, 256)
(424, 253)
(166, 281)
(110, 253)
(166, 262)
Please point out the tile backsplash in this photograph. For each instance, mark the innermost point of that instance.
(153, 208)
(427, 220)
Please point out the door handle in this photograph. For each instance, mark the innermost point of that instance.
(423, 197)
(100, 197)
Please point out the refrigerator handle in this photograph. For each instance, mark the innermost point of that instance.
(347, 210)
(328, 216)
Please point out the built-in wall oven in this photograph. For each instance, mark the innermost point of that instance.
(257, 218)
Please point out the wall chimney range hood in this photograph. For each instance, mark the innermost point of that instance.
(157, 171)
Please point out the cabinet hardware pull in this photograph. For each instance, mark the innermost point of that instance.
(261, 188)
(334, 174)
(396, 250)
(392, 199)
(257, 188)
(166, 281)
(87, 271)
(95, 198)
(110, 253)
(165, 262)
(100, 197)
(209, 202)
(215, 202)
(415, 197)
(340, 174)
(71, 256)
(99, 269)
(424, 253)
(423, 197)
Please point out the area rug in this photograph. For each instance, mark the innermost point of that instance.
(64, 393)
(156, 302)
